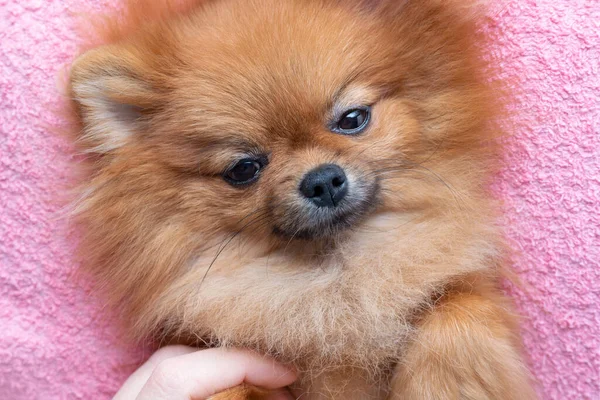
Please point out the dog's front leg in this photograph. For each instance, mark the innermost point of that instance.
(465, 347)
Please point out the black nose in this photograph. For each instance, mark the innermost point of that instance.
(325, 185)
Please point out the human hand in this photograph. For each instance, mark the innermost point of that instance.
(183, 373)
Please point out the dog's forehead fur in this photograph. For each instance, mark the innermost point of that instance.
(255, 70)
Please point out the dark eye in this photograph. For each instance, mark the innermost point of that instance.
(245, 171)
(354, 121)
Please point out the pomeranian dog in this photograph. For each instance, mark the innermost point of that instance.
(307, 179)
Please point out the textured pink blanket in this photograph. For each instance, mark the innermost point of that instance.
(54, 345)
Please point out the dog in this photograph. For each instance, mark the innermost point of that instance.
(306, 179)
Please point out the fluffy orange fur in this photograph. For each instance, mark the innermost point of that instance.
(403, 302)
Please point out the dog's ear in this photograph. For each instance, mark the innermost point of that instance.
(111, 87)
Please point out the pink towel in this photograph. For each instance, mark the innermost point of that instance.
(55, 345)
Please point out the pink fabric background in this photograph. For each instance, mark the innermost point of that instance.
(54, 345)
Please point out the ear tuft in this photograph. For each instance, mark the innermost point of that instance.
(108, 87)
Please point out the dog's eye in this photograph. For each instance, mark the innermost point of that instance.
(244, 172)
(354, 121)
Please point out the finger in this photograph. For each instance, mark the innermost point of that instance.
(203, 373)
(132, 387)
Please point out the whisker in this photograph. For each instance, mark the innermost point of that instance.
(290, 241)
(218, 245)
(226, 241)
(437, 148)
(260, 224)
(400, 167)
